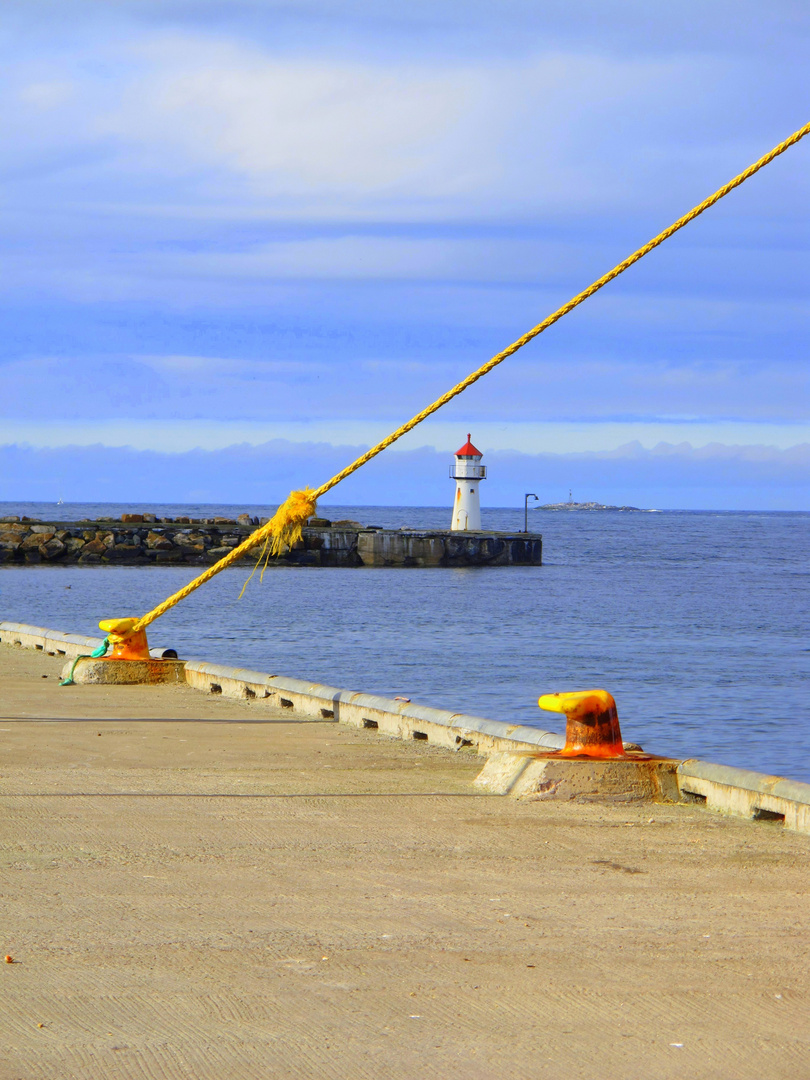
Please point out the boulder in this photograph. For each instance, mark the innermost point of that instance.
(217, 553)
(319, 523)
(129, 519)
(191, 540)
(32, 542)
(94, 547)
(10, 518)
(149, 517)
(74, 544)
(52, 548)
(42, 529)
(244, 519)
(158, 541)
(124, 551)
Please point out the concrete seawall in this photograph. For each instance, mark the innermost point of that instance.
(157, 542)
(720, 788)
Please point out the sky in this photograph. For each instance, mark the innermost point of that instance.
(241, 241)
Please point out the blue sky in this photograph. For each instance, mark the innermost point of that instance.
(247, 239)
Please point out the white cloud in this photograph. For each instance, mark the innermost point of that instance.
(185, 175)
(353, 257)
(47, 94)
(221, 122)
(216, 367)
(295, 127)
(537, 397)
(366, 138)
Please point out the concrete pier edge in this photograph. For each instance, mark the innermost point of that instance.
(720, 788)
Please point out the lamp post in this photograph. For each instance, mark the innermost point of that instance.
(526, 498)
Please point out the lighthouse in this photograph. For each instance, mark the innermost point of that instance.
(468, 472)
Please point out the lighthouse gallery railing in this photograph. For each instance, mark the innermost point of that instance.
(471, 472)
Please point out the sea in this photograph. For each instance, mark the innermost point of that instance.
(695, 621)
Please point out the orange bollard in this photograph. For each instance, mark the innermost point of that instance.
(592, 723)
(122, 643)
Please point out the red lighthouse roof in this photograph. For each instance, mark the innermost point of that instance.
(468, 450)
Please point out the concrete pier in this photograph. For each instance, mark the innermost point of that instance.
(416, 548)
(196, 885)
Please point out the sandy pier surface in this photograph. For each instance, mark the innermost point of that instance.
(192, 887)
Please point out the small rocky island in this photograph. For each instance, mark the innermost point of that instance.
(591, 506)
(146, 540)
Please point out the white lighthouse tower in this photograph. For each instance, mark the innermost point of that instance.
(468, 472)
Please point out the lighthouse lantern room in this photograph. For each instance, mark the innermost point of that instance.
(468, 472)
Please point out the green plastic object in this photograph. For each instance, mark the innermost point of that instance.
(100, 651)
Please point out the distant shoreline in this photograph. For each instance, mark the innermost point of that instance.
(590, 506)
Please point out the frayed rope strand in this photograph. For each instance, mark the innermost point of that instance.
(284, 529)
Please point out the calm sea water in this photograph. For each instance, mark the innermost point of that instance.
(696, 622)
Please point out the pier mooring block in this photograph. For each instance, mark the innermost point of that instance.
(537, 777)
(125, 672)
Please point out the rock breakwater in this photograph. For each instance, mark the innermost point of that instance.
(146, 540)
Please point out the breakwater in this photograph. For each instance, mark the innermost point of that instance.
(147, 540)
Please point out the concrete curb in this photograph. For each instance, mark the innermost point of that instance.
(400, 719)
(746, 794)
(720, 788)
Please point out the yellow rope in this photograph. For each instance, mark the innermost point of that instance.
(284, 528)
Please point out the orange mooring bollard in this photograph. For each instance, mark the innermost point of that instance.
(592, 728)
(122, 643)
